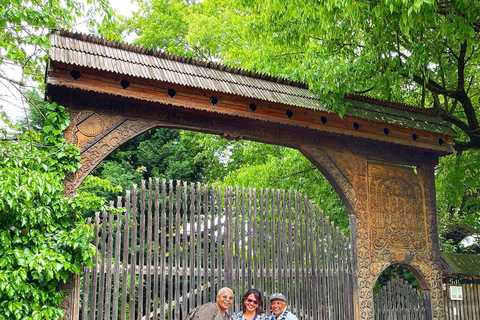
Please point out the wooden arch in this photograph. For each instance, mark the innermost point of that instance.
(380, 157)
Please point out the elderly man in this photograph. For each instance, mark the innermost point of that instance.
(278, 305)
(214, 310)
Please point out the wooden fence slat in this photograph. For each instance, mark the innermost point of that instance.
(228, 238)
(302, 256)
(243, 246)
(101, 285)
(255, 235)
(291, 285)
(93, 297)
(156, 231)
(108, 279)
(126, 235)
(148, 252)
(297, 224)
(283, 242)
(184, 256)
(171, 255)
(237, 287)
(261, 251)
(163, 246)
(177, 233)
(199, 280)
(141, 252)
(313, 297)
(249, 241)
(266, 223)
(205, 241)
(274, 242)
(133, 254)
(86, 281)
(220, 239)
(211, 275)
(117, 258)
(191, 264)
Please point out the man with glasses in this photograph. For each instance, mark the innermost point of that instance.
(214, 310)
(278, 305)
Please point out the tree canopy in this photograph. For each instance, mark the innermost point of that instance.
(423, 53)
(420, 52)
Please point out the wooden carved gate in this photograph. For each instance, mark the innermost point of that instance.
(399, 300)
(175, 245)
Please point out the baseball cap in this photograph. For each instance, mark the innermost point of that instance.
(278, 296)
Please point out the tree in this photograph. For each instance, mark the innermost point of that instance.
(163, 153)
(257, 165)
(25, 27)
(419, 52)
(43, 237)
(398, 50)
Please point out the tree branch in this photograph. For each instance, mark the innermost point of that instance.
(461, 67)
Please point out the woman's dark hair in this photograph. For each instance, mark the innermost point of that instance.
(258, 296)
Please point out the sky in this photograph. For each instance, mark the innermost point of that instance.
(10, 101)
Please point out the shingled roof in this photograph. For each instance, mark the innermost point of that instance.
(461, 264)
(121, 58)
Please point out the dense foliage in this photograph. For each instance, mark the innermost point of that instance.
(41, 243)
(420, 52)
(43, 238)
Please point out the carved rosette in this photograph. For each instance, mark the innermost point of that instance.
(100, 147)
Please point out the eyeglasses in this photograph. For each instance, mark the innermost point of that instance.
(227, 297)
(252, 301)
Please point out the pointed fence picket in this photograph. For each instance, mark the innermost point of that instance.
(175, 244)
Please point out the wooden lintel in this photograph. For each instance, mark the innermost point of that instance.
(147, 91)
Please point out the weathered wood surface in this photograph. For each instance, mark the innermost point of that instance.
(177, 244)
(469, 307)
(398, 300)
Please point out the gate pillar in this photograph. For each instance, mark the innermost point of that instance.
(390, 195)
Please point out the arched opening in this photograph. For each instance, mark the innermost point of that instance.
(401, 292)
(313, 271)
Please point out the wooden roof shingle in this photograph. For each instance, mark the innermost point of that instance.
(116, 57)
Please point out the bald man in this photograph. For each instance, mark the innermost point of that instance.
(214, 310)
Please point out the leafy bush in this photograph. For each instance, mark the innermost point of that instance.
(43, 238)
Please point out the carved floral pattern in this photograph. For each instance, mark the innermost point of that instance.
(396, 216)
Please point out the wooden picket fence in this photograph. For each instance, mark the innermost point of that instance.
(399, 300)
(469, 307)
(176, 244)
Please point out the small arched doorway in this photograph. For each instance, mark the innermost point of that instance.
(401, 293)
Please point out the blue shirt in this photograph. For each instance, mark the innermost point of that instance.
(285, 315)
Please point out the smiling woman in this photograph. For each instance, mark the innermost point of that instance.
(252, 306)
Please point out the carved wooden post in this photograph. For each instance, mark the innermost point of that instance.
(392, 221)
(71, 302)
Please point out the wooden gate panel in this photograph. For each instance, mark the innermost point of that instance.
(174, 245)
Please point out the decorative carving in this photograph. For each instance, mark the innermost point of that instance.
(340, 166)
(396, 216)
(395, 227)
(89, 123)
